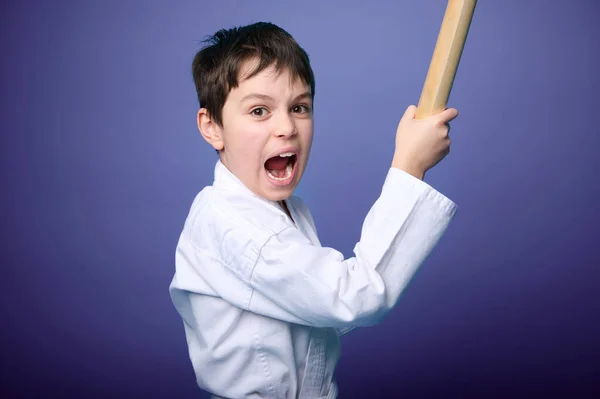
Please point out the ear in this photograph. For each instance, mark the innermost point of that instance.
(210, 130)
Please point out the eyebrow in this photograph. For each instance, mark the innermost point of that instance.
(265, 97)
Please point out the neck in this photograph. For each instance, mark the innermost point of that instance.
(285, 208)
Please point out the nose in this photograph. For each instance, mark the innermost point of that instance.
(285, 126)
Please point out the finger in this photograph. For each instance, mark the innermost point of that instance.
(410, 112)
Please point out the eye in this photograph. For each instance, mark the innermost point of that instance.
(300, 109)
(260, 111)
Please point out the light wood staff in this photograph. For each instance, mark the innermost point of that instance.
(446, 56)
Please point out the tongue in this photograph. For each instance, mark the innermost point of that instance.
(276, 164)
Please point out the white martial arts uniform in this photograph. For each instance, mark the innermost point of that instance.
(263, 303)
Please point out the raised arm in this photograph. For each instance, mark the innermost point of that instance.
(285, 276)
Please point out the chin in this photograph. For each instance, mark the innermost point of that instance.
(279, 195)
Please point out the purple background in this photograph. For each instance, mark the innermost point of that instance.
(100, 160)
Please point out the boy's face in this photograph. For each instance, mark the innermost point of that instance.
(267, 132)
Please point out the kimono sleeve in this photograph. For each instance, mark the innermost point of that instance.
(291, 279)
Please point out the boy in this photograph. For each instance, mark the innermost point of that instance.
(263, 303)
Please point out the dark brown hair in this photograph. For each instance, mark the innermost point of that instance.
(216, 67)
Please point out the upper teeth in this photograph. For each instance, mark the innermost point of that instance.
(286, 154)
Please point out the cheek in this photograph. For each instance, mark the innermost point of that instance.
(246, 144)
(306, 134)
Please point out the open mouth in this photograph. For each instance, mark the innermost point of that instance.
(281, 168)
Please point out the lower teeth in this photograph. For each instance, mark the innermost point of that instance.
(288, 173)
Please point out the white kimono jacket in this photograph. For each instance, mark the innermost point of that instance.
(263, 303)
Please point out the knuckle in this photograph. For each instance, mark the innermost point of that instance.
(443, 131)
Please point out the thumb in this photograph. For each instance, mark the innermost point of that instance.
(447, 115)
